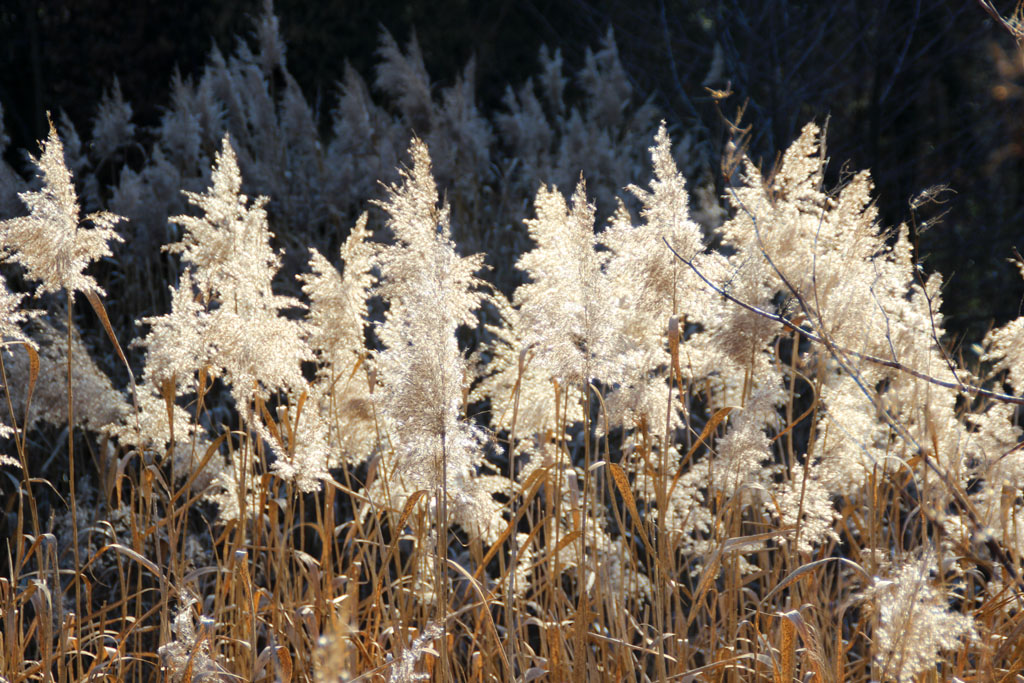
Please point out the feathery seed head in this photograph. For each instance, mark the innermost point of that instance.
(50, 242)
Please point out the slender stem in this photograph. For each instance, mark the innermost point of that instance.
(442, 557)
(511, 623)
(582, 606)
(74, 503)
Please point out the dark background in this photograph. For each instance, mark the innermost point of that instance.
(923, 93)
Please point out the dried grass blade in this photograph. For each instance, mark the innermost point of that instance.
(711, 568)
(144, 561)
(705, 434)
(810, 566)
(487, 614)
(787, 649)
(622, 483)
(101, 313)
(566, 541)
(797, 421)
(33, 375)
(510, 527)
(407, 509)
(210, 450)
(268, 420)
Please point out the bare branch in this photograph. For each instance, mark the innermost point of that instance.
(1012, 23)
(895, 365)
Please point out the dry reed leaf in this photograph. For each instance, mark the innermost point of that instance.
(197, 470)
(787, 649)
(529, 539)
(507, 532)
(1013, 639)
(407, 509)
(33, 375)
(168, 391)
(711, 567)
(693, 675)
(555, 655)
(280, 658)
(286, 424)
(485, 610)
(293, 427)
(269, 421)
(622, 483)
(566, 541)
(794, 423)
(705, 434)
(101, 312)
(796, 624)
(165, 585)
(810, 566)
(532, 479)
(574, 498)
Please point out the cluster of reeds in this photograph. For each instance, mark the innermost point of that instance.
(616, 453)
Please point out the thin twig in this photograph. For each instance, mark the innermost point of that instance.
(1011, 24)
(895, 365)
